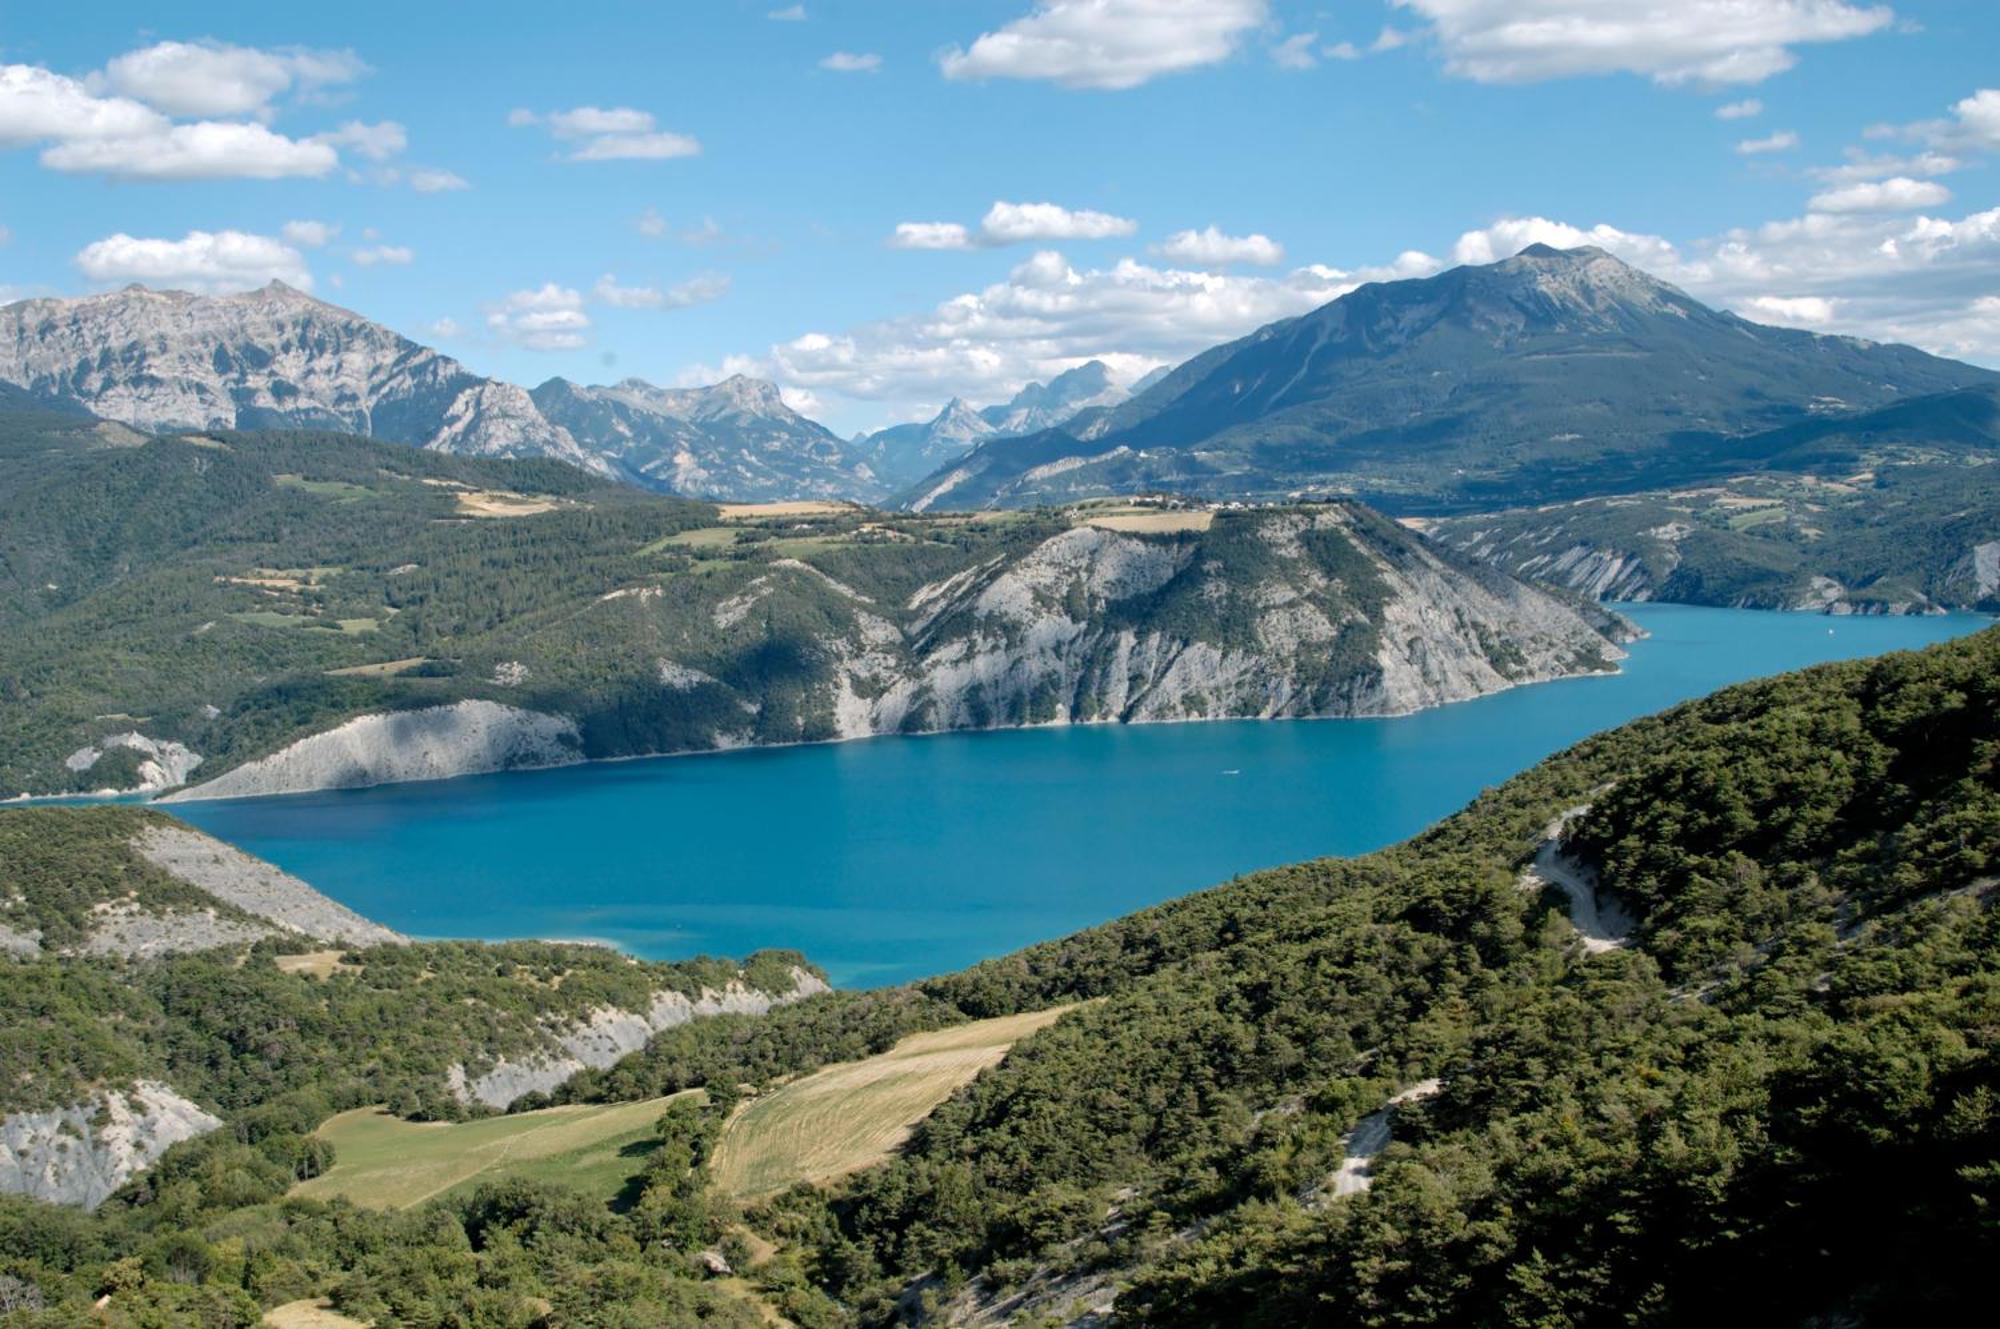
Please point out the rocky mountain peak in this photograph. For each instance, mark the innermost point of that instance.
(758, 394)
(271, 357)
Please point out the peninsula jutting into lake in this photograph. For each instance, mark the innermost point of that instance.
(1061, 664)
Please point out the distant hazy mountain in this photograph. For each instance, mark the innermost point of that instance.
(270, 358)
(1891, 511)
(736, 440)
(903, 454)
(1554, 373)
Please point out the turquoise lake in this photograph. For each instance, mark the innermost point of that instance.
(894, 858)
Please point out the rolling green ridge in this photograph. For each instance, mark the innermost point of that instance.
(1780, 1101)
(233, 593)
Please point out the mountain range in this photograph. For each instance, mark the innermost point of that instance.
(735, 440)
(279, 358)
(1551, 374)
(273, 357)
(903, 454)
(1555, 373)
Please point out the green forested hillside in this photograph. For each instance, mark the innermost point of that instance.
(236, 1033)
(197, 602)
(1779, 1103)
(1867, 538)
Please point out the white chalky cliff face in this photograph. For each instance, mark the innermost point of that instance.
(611, 1034)
(80, 1154)
(269, 358)
(1329, 610)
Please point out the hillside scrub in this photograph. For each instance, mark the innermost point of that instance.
(1778, 1102)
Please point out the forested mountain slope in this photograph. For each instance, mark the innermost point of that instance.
(1553, 374)
(1774, 1103)
(173, 610)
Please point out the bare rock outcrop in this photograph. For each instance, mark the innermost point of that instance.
(256, 887)
(163, 763)
(465, 738)
(608, 1035)
(82, 1153)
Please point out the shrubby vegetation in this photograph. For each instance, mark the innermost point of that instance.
(231, 1030)
(1781, 1103)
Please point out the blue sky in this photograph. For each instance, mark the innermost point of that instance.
(680, 191)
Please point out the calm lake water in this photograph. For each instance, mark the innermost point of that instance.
(893, 858)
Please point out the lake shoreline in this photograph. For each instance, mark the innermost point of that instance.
(888, 861)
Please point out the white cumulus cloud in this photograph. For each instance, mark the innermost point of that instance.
(1211, 247)
(1747, 109)
(432, 181)
(1797, 311)
(930, 235)
(37, 105)
(1880, 166)
(395, 255)
(1978, 118)
(617, 133)
(1782, 141)
(697, 290)
(1510, 235)
(1017, 223)
(1013, 224)
(1708, 42)
(206, 261)
(1296, 51)
(1108, 44)
(204, 150)
(1896, 194)
(548, 318)
(202, 79)
(377, 142)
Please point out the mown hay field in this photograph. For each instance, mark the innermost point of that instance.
(385, 1162)
(847, 1117)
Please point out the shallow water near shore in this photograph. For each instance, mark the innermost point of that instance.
(893, 858)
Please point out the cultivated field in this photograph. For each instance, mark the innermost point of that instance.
(313, 964)
(384, 669)
(502, 503)
(311, 1313)
(1150, 519)
(844, 1118)
(386, 1163)
(807, 507)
